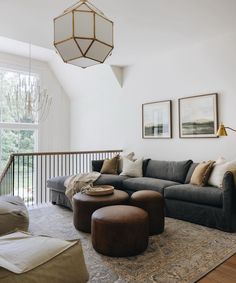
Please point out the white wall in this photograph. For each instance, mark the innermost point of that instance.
(96, 112)
(54, 132)
(104, 116)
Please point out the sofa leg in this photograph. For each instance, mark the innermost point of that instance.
(54, 203)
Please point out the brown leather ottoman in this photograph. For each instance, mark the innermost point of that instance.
(153, 203)
(120, 230)
(84, 206)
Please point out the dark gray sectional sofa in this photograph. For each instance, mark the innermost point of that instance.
(209, 206)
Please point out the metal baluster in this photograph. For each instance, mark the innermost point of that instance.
(45, 178)
(41, 183)
(76, 164)
(82, 163)
(18, 175)
(73, 164)
(37, 179)
(61, 157)
(23, 180)
(65, 165)
(32, 179)
(54, 165)
(69, 164)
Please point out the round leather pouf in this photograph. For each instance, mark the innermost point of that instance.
(153, 203)
(120, 231)
(84, 206)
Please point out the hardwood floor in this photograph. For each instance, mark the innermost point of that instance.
(225, 273)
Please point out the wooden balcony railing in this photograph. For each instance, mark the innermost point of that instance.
(26, 174)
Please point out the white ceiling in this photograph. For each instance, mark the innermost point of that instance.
(141, 27)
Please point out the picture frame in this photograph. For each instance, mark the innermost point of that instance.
(157, 120)
(198, 116)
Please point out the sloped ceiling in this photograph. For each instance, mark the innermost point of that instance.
(142, 29)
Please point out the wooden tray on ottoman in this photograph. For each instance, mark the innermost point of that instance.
(100, 190)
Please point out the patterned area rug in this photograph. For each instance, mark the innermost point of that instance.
(183, 253)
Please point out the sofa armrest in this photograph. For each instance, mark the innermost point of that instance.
(229, 192)
(97, 165)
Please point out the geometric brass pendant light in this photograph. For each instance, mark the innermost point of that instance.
(83, 35)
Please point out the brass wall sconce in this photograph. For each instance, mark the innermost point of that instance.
(222, 130)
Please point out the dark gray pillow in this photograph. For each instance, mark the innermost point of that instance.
(97, 165)
(190, 172)
(168, 170)
(145, 164)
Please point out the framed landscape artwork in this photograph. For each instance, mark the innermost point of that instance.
(198, 116)
(157, 120)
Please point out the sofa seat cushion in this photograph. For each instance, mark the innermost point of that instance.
(57, 183)
(13, 214)
(113, 180)
(144, 183)
(191, 193)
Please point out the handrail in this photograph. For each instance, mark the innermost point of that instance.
(65, 152)
(26, 174)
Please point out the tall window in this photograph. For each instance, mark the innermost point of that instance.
(18, 131)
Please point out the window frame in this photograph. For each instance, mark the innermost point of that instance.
(7, 66)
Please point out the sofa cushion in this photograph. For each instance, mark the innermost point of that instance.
(190, 172)
(191, 193)
(57, 183)
(113, 180)
(13, 214)
(97, 165)
(201, 173)
(132, 168)
(175, 171)
(110, 166)
(144, 183)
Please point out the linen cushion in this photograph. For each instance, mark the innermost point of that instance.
(168, 170)
(110, 166)
(66, 266)
(130, 156)
(132, 168)
(195, 194)
(144, 183)
(201, 173)
(219, 169)
(13, 215)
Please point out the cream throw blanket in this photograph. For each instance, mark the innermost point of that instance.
(21, 252)
(76, 183)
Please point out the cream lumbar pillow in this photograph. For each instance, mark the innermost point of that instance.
(220, 168)
(130, 156)
(132, 168)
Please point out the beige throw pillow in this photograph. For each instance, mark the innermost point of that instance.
(201, 173)
(219, 169)
(110, 166)
(132, 168)
(130, 156)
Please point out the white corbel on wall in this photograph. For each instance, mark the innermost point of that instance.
(118, 73)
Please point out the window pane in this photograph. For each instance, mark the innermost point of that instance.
(15, 88)
(15, 141)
